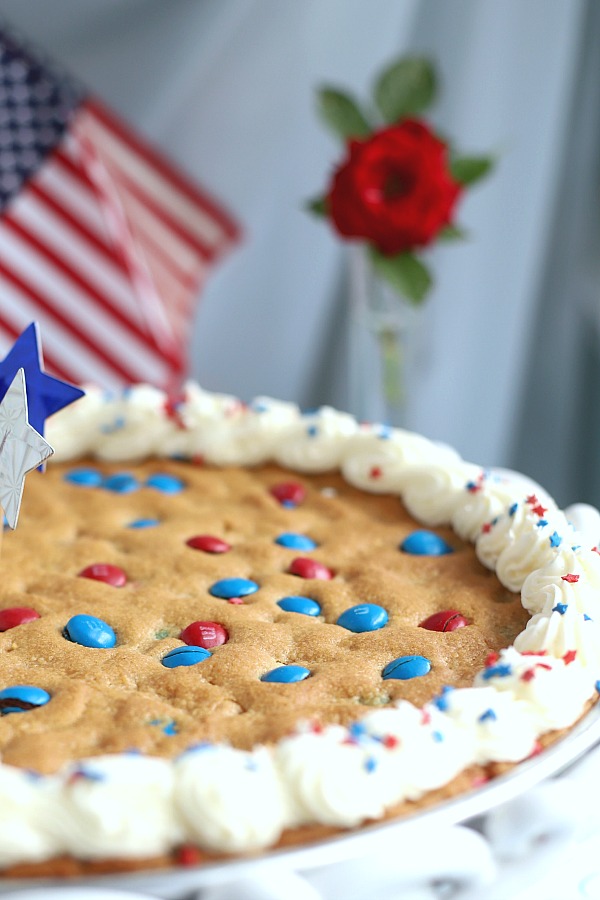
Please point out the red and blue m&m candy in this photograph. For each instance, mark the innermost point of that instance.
(208, 543)
(297, 604)
(106, 573)
(84, 477)
(406, 667)
(204, 634)
(364, 617)
(304, 567)
(165, 483)
(289, 493)
(446, 620)
(286, 674)
(295, 541)
(144, 523)
(17, 615)
(425, 543)
(22, 698)
(121, 483)
(89, 631)
(185, 656)
(233, 587)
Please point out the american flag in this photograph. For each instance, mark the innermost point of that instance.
(102, 240)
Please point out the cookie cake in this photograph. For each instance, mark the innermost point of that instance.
(225, 628)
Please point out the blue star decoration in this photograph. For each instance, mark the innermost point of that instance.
(21, 448)
(45, 394)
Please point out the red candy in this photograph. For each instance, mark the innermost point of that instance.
(188, 855)
(106, 573)
(310, 568)
(208, 543)
(447, 620)
(204, 634)
(17, 615)
(289, 492)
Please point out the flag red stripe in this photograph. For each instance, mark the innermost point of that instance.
(114, 124)
(62, 156)
(47, 306)
(76, 223)
(84, 285)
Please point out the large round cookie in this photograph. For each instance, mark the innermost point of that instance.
(225, 655)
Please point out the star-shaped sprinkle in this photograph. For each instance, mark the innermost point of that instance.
(560, 608)
(555, 539)
(539, 510)
(532, 500)
(570, 578)
(45, 394)
(569, 656)
(21, 448)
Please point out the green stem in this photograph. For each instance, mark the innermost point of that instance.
(392, 362)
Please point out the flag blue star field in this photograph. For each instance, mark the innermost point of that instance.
(102, 240)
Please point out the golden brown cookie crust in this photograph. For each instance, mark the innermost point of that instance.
(113, 700)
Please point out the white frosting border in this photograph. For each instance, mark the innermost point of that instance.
(231, 800)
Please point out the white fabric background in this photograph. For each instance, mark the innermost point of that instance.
(227, 88)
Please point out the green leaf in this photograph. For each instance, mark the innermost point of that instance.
(469, 169)
(406, 274)
(406, 88)
(342, 114)
(318, 206)
(452, 233)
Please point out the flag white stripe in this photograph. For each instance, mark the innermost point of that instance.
(138, 170)
(78, 306)
(20, 310)
(110, 280)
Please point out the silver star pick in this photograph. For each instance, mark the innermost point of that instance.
(21, 448)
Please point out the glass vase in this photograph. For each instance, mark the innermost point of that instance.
(382, 345)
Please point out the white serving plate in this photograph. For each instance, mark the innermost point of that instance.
(350, 845)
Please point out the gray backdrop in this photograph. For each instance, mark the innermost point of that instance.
(507, 366)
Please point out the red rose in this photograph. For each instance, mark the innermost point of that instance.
(394, 189)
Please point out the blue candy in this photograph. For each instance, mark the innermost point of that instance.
(406, 667)
(366, 617)
(27, 693)
(233, 587)
(144, 523)
(165, 483)
(90, 632)
(295, 541)
(121, 483)
(425, 543)
(286, 674)
(84, 477)
(185, 656)
(305, 605)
